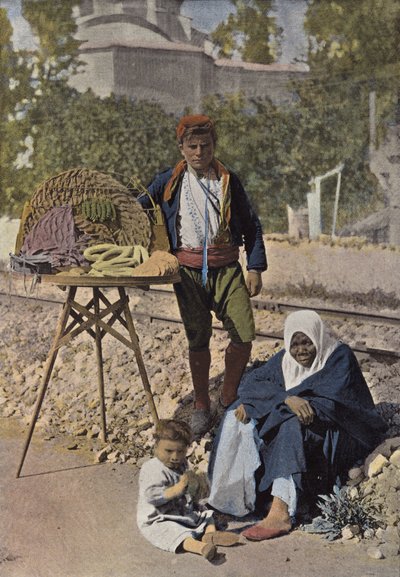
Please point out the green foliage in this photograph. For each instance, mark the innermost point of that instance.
(15, 91)
(54, 26)
(356, 44)
(26, 77)
(276, 151)
(250, 31)
(340, 509)
(112, 135)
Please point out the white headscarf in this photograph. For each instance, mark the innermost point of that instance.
(309, 323)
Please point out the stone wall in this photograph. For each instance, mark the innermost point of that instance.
(176, 79)
(177, 75)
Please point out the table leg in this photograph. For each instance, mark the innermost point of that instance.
(100, 373)
(62, 323)
(138, 355)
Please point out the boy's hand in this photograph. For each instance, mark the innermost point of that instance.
(193, 483)
(254, 282)
(240, 414)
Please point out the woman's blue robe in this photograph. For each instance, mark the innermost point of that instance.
(345, 429)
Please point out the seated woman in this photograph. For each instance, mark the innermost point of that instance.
(307, 408)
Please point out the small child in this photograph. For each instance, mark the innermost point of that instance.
(167, 515)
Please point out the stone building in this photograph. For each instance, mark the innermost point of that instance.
(146, 49)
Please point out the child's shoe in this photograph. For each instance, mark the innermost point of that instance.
(222, 538)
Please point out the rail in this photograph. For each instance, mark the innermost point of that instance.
(258, 304)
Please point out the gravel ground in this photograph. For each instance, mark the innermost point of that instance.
(70, 411)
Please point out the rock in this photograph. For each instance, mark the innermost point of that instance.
(353, 493)
(389, 549)
(395, 458)
(391, 534)
(350, 531)
(368, 490)
(113, 457)
(375, 553)
(393, 519)
(355, 473)
(101, 456)
(73, 447)
(369, 534)
(94, 432)
(144, 423)
(376, 466)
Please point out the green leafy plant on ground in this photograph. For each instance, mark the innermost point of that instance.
(340, 509)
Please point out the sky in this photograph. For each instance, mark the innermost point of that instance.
(205, 14)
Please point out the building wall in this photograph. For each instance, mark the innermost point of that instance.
(146, 49)
(98, 74)
(163, 76)
(176, 78)
(256, 81)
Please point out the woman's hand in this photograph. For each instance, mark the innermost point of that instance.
(240, 414)
(301, 408)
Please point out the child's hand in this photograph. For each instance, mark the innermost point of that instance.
(184, 480)
(193, 483)
(178, 489)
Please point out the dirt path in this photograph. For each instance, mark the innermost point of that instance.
(66, 517)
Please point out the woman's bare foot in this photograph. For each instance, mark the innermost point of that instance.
(278, 516)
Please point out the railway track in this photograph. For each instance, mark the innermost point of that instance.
(258, 305)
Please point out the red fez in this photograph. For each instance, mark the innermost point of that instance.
(192, 123)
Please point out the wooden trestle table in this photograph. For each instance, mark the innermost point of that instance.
(76, 318)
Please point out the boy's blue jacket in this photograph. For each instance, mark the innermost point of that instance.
(244, 225)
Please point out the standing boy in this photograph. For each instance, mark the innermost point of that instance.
(208, 217)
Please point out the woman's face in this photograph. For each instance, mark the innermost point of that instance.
(302, 349)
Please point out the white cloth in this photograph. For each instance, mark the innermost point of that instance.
(285, 489)
(309, 323)
(191, 215)
(166, 523)
(233, 487)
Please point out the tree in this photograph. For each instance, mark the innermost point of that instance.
(353, 50)
(357, 43)
(31, 75)
(113, 135)
(53, 24)
(251, 31)
(14, 91)
(254, 140)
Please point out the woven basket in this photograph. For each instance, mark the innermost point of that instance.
(131, 225)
